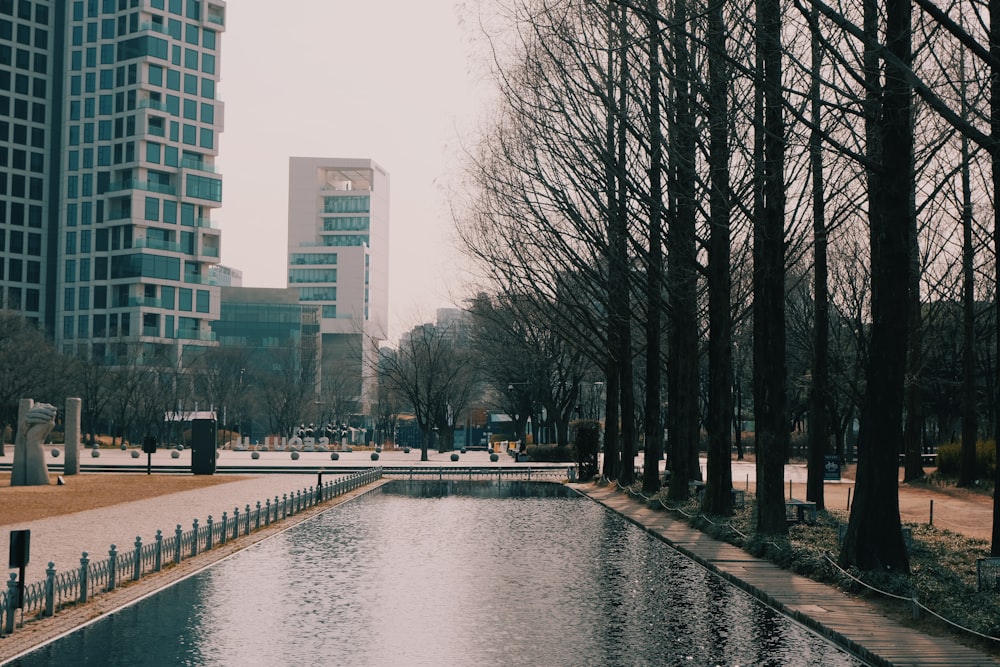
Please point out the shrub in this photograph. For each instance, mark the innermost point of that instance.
(550, 453)
(949, 457)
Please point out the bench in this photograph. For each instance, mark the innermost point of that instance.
(925, 459)
(802, 511)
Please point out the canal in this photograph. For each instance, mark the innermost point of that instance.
(439, 573)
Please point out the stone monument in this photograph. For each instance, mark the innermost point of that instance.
(71, 436)
(34, 422)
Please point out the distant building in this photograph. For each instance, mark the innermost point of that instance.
(109, 127)
(264, 319)
(225, 276)
(338, 260)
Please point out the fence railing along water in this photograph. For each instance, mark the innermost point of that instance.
(59, 589)
(528, 473)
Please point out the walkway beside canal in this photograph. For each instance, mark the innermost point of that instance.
(850, 622)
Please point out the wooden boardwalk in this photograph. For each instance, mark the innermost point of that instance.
(851, 623)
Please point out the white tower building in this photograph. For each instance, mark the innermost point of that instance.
(338, 233)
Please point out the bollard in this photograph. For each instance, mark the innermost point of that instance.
(284, 505)
(257, 518)
(931, 522)
(225, 527)
(158, 561)
(12, 603)
(211, 531)
(247, 515)
(50, 589)
(112, 567)
(177, 547)
(848, 499)
(267, 512)
(137, 561)
(84, 576)
(194, 541)
(236, 522)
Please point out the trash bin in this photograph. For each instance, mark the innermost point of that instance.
(203, 446)
(571, 473)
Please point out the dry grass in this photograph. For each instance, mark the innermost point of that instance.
(20, 504)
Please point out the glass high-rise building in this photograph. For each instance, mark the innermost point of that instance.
(109, 128)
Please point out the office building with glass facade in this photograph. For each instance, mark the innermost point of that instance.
(109, 123)
(338, 259)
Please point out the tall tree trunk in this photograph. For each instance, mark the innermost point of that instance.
(719, 480)
(682, 273)
(994, 6)
(970, 429)
(624, 307)
(654, 267)
(618, 300)
(874, 539)
(819, 423)
(768, 275)
(913, 431)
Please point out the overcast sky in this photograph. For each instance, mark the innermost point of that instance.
(389, 80)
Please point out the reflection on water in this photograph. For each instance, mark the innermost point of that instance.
(417, 576)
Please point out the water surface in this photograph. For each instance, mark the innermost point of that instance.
(416, 575)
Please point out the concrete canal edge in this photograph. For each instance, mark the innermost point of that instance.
(656, 522)
(37, 632)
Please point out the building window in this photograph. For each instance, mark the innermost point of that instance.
(353, 204)
(202, 301)
(152, 209)
(204, 187)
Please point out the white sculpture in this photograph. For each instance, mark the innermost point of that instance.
(33, 426)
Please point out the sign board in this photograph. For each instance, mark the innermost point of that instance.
(831, 467)
(20, 548)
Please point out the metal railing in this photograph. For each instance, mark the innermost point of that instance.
(59, 589)
(477, 473)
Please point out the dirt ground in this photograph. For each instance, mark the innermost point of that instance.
(965, 511)
(20, 504)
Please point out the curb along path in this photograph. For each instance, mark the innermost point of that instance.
(851, 623)
(36, 632)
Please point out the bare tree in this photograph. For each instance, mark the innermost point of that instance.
(27, 364)
(432, 375)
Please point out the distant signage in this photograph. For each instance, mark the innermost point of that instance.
(831, 467)
(188, 415)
